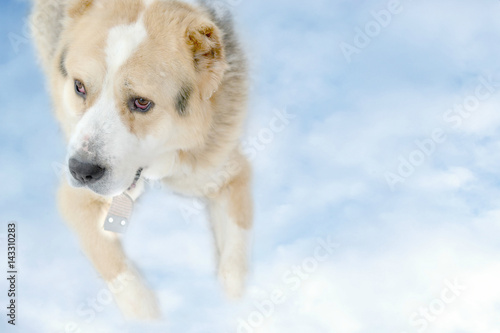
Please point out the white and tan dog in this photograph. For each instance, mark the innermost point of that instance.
(155, 88)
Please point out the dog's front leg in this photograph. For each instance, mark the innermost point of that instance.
(85, 212)
(231, 219)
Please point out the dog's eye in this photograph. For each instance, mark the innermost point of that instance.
(80, 88)
(142, 104)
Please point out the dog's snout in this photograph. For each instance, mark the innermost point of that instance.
(86, 173)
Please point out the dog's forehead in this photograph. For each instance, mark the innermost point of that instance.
(122, 43)
(147, 34)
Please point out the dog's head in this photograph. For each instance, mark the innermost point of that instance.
(136, 79)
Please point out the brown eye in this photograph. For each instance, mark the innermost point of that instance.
(80, 88)
(142, 104)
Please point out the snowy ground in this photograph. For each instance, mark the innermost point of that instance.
(377, 204)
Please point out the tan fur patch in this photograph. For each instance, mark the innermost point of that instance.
(241, 206)
(79, 8)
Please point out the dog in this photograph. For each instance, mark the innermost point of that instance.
(148, 89)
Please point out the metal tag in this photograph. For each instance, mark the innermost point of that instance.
(120, 211)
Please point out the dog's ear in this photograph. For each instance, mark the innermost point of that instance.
(205, 41)
(76, 8)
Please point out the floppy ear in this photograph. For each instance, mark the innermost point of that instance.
(208, 56)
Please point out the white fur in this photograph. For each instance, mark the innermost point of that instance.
(233, 261)
(123, 40)
(231, 241)
(133, 298)
(148, 2)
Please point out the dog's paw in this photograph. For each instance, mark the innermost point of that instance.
(232, 274)
(133, 298)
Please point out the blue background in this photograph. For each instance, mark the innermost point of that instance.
(324, 176)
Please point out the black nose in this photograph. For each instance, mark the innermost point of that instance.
(86, 173)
